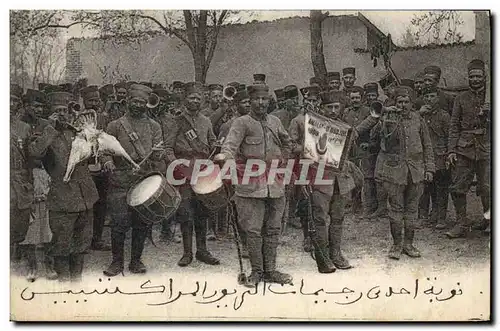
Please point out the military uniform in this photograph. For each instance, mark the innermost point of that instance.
(438, 123)
(192, 138)
(137, 135)
(260, 205)
(406, 154)
(70, 204)
(286, 115)
(470, 139)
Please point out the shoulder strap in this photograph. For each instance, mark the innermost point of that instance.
(133, 137)
(196, 144)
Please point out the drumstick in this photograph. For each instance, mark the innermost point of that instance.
(155, 147)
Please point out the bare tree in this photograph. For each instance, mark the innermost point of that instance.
(317, 56)
(408, 39)
(439, 26)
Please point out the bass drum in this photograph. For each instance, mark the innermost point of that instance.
(153, 198)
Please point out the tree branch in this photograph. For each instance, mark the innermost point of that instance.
(213, 41)
(188, 18)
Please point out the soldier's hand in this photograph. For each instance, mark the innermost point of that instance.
(364, 146)
(425, 109)
(109, 166)
(452, 158)
(429, 176)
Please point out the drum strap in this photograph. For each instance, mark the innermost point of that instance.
(134, 138)
(196, 144)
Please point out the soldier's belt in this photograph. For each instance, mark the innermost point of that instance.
(475, 131)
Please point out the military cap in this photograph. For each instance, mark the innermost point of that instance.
(259, 79)
(356, 89)
(280, 94)
(241, 95)
(90, 92)
(291, 91)
(130, 83)
(433, 70)
(336, 96)
(419, 76)
(16, 90)
(42, 86)
(139, 91)
(370, 87)
(177, 84)
(430, 89)
(315, 80)
(52, 88)
(120, 85)
(234, 84)
(257, 88)
(333, 75)
(213, 87)
(66, 87)
(349, 70)
(193, 87)
(148, 84)
(106, 90)
(310, 91)
(241, 87)
(326, 98)
(386, 81)
(34, 96)
(404, 91)
(162, 93)
(408, 82)
(475, 64)
(59, 98)
(157, 86)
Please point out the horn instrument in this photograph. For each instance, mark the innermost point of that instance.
(229, 92)
(153, 101)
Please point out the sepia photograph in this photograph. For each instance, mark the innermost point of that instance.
(250, 165)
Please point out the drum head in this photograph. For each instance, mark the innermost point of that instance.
(208, 184)
(144, 190)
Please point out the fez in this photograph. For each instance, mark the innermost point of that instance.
(241, 95)
(59, 98)
(66, 87)
(371, 88)
(408, 82)
(419, 76)
(34, 96)
(403, 91)
(333, 75)
(234, 84)
(259, 79)
(90, 92)
(51, 89)
(120, 85)
(315, 80)
(139, 91)
(106, 90)
(148, 84)
(178, 84)
(309, 91)
(241, 87)
(214, 87)
(193, 87)
(336, 96)
(356, 89)
(162, 93)
(16, 90)
(291, 91)
(433, 70)
(349, 70)
(475, 64)
(42, 86)
(156, 86)
(257, 88)
(326, 98)
(280, 94)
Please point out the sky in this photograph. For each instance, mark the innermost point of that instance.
(393, 22)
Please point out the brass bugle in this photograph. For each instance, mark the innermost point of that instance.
(153, 101)
(73, 105)
(376, 109)
(229, 92)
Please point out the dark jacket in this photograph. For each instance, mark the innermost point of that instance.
(284, 116)
(438, 123)
(361, 157)
(21, 183)
(54, 148)
(469, 134)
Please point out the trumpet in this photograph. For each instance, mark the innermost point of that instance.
(75, 106)
(229, 92)
(153, 101)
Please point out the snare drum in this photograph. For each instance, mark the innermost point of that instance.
(153, 198)
(211, 191)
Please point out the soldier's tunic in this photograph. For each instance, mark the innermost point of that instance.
(438, 123)
(364, 159)
(70, 204)
(21, 187)
(259, 204)
(148, 134)
(446, 101)
(470, 139)
(285, 116)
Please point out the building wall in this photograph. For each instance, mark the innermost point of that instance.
(280, 49)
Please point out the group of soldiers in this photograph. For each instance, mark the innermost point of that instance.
(405, 161)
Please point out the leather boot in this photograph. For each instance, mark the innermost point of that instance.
(117, 249)
(202, 254)
(408, 247)
(397, 237)
(61, 266)
(76, 267)
(461, 228)
(187, 242)
(32, 274)
(335, 240)
(50, 273)
(138, 238)
(321, 251)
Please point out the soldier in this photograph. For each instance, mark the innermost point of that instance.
(317, 82)
(370, 93)
(178, 90)
(21, 186)
(242, 101)
(217, 108)
(112, 109)
(292, 106)
(280, 98)
(260, 204)
(138, 134)
(333, 81)
(121, 91)
(419, 84)
(438, 123)
(387, 84)
(70, 204)
(348, 78)
(432, 76)
(92, 101)
(192, 138)
(259, 79)
(353, 116)
(405, 160)
(469, 147)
